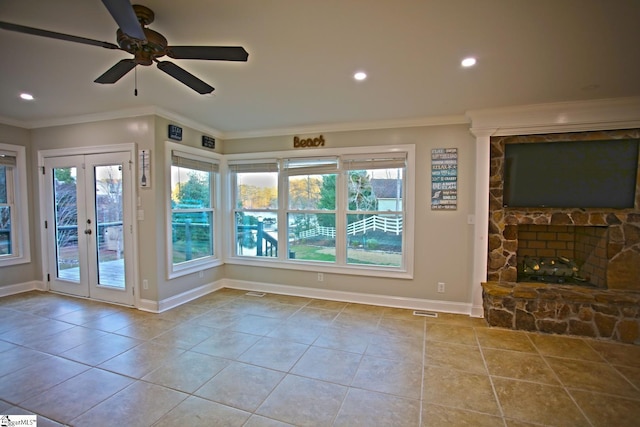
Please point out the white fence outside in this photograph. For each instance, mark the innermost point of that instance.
(375, 222)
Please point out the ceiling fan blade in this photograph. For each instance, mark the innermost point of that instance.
(125, 17)
(185, 77)
(214, 53)
(53, 35)
(116, 72)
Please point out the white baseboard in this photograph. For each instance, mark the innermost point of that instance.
(177, 300)
(355, 297)
(34, 285)
(477, 311)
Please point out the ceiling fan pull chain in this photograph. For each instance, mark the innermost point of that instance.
(135, 79)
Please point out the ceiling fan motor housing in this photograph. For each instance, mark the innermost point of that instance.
(144, 52)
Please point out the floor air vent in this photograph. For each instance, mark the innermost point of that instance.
(255, 294)
(425, 313)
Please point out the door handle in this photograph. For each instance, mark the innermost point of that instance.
(88, 231)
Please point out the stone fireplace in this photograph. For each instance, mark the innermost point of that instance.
(605, 244)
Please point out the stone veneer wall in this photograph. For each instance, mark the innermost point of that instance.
(623, 245)
(564, 309)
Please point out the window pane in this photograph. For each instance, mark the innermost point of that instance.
(312, 237)
(256, 234)
(374, 239)
(190, 188)
(375, 190)
(3, 184)
(312, 192)
(5, 230)
(257, 190)
(192, 234)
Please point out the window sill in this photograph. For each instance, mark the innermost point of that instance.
(16, 260)
(370, 271)
(193, 267)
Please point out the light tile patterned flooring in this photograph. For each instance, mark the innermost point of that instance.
(229, 359)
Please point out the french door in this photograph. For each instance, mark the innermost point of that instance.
(88, 225)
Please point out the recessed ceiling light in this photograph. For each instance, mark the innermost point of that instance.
(26, 96)
(360, 75)
(468, 62)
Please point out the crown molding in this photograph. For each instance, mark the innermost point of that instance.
(575, 116)
(351, 126)
(114, 115)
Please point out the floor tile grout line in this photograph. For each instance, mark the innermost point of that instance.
(422, 385)
(562, 384)
(613, 366)
(493, 386)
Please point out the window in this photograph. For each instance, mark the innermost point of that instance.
(311, 208)
(255, 213)
(14, 223)
(375, 214)
(193, 215)
(344, 213)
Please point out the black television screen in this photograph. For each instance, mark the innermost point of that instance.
(571, 174)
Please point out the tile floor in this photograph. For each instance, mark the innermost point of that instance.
(229, 359)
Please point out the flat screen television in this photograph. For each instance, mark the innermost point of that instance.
(571, 174)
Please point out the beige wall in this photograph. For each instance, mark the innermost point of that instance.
(168, 288)
(443, 240)
(22, 273)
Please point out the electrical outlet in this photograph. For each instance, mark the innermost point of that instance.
(320, 277)
(145, 284)
(441, 287)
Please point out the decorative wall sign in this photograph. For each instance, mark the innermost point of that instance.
(444, 179)
(144, 166)
(308, 142)
(175, 132)
(208, 142)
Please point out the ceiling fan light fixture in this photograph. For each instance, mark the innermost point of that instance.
(27, 96)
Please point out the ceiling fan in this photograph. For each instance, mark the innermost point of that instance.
(144, 44)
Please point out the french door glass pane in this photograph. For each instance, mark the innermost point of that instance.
(66, 224)
(109, 215)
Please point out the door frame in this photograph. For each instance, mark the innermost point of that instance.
(42, 214)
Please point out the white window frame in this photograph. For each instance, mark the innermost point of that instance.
(197, 265)
(18, 202)
(405, 271)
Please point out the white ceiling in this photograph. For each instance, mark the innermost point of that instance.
(303, 53)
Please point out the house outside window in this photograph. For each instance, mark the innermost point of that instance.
(14, 224)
